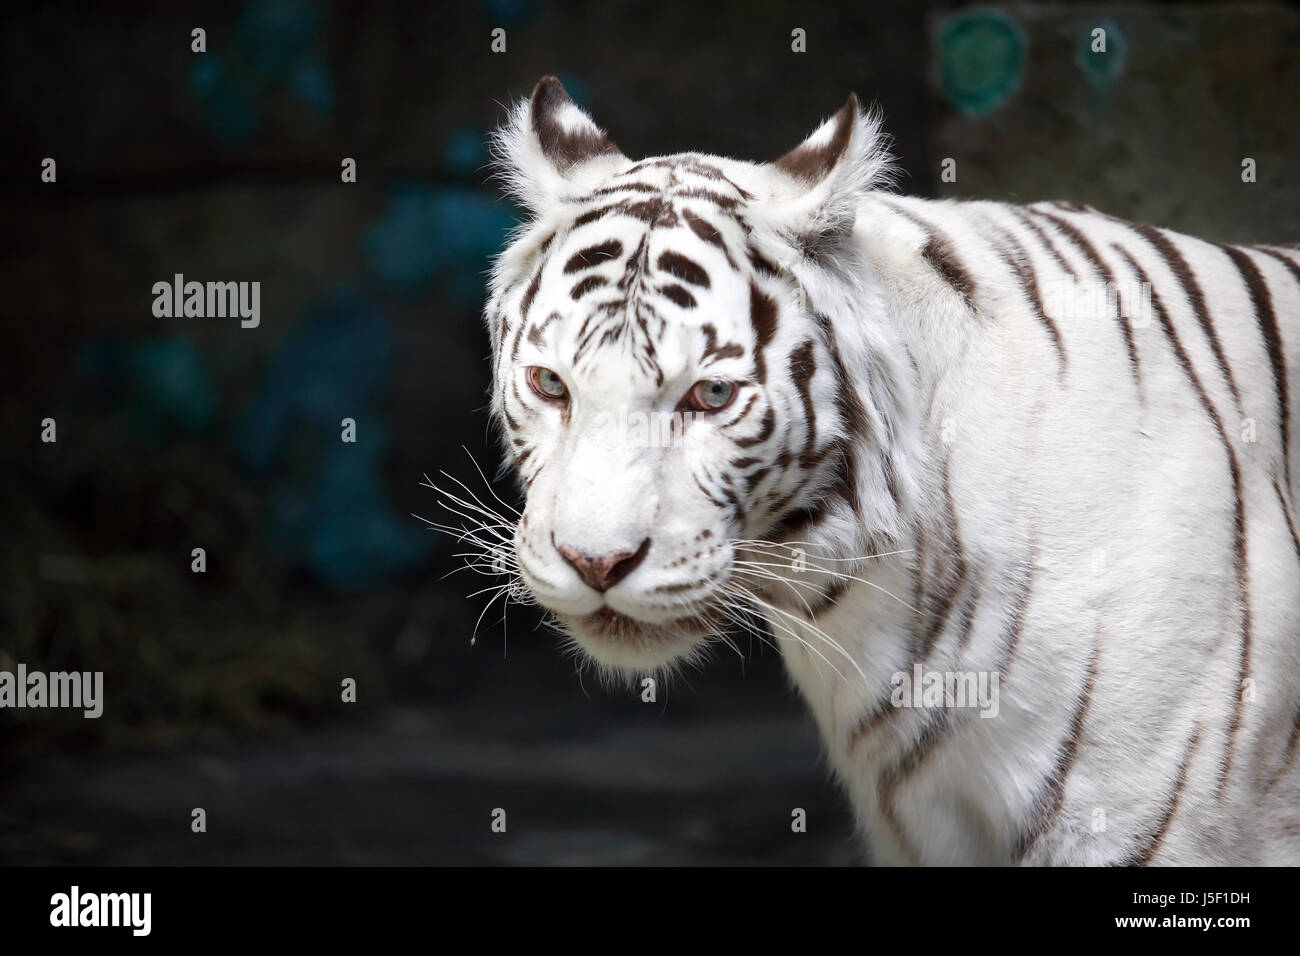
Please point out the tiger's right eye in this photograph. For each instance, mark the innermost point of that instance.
(547, 384)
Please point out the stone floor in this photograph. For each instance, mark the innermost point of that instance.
(419, 787)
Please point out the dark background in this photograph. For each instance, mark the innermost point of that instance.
(223, 688)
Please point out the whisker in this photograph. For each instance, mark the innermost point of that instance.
(482, 507)
(809, 625)
(487, 484)
(845, 576)
(735, 612)
(490, 538)
(748, 595)
(772, 576)
(790, 546)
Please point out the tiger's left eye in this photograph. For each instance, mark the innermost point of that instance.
(547, 384)
(711, 395)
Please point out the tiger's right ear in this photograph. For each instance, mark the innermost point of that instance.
(549, 149)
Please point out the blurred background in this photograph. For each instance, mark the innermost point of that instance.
(223, 688)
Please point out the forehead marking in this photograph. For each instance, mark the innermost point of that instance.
(631, 315)
(586, 285)
(684, 268)
(593, 256)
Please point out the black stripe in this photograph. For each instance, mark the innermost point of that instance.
(586, 285)
(708, 232)
(1045, 239)
(938, 252)
(1144, 854)
(803, 365)
(884, 712)
(1052, 798)
(733, 499)
(678, 295)
(626, 187)
(1241, 563)
(749, 405)
(827, 599)
(1018, 260)
(967, 626)
(1288, 754)
(853, 417)
(754, 477)
(712, 350)
(1262, 300)
(1183, 273)
(722, 202)
(895, 775)
(1283, 258)
(536, 333)
(600, 212)
(681, 267)
(1108, 277)
(707, 494)
(686, 163)
(762, 265)
(654, 212)
(763, 318)
(764, 431)
(793, 522)
(943, 724)
(593, 256)
(798, 519)
(1286, 513)
(530, 293)
(1019, 610)
(954, 569)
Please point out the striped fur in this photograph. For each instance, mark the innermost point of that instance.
(931, 461)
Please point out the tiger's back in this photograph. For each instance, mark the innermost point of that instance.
(1109, 416)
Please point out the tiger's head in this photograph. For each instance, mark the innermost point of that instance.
(689, 367)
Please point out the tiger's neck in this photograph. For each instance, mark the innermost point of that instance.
(908, 607)
(881, 616)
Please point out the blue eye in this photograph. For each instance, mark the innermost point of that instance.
(711, 395)
(547, 384)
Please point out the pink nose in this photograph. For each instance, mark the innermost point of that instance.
(603, 572)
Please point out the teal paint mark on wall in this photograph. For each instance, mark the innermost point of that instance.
(981, 59)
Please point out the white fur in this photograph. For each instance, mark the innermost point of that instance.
(1112, 498)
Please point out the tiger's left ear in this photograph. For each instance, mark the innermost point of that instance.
(814, 190)
(549, 148)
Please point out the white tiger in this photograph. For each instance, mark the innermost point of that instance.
(893, 435)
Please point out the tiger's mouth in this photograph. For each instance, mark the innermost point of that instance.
(624, 643)
(610, 624)
(608, 621)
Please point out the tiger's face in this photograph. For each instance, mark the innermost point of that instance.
(667, 395)
(636, 399)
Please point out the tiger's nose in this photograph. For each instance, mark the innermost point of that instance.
(603, 572)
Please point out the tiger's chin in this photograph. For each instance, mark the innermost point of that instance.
(622, 644)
